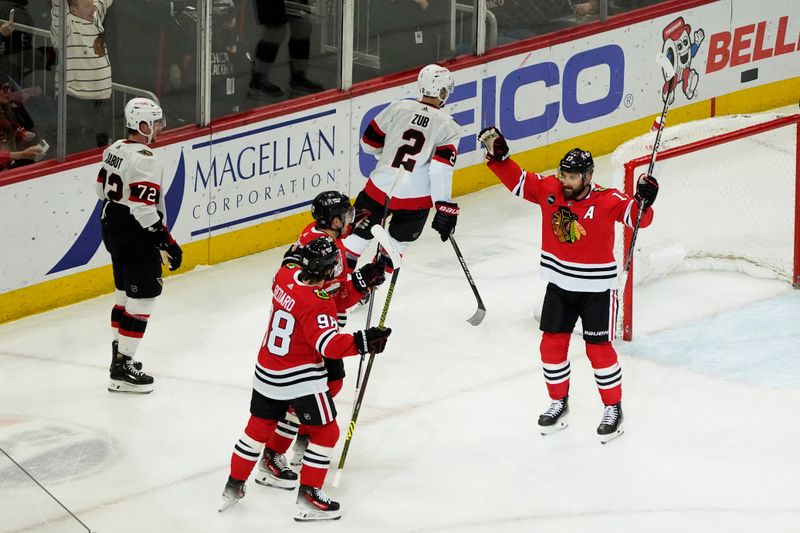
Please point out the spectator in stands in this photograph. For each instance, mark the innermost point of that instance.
(411, 33)
(229, 64)
(7, 28)
(13, 135)
(521, 19)
(274, 18)
(88, 81)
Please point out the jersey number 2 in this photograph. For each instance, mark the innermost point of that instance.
(280, 333)
(404, 156)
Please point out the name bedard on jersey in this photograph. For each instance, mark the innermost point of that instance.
(302, 329)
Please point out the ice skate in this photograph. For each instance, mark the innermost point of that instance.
(125, 377)
(611, 425)
(298, 450)
(313, 504)
(555, 418)
(274, 472)
(233, 492)
(115, 351)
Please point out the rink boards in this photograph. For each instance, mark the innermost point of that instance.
(245, 185)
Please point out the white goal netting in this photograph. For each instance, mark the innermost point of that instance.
(721, 205)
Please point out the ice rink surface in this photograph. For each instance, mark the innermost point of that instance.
(447, 438)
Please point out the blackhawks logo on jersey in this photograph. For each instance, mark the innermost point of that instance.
(566, 226)
(322, 294)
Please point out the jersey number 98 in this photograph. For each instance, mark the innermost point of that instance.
(279, 336)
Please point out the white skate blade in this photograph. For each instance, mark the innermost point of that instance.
(558, 426)
(268, 480)
(611, 436)
(306, 514)
(124, 386)
(227, 503)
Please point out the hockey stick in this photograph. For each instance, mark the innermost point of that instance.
(397, 178)
(388, 244)
(477, 318)
(666, 65)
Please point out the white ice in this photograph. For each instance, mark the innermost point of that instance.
(447, 438)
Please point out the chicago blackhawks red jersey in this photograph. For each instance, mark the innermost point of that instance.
(302, 329)
(341, 288)
(418, 140)
(577, 235)
(131, 176)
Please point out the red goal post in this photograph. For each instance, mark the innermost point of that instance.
(757, 227)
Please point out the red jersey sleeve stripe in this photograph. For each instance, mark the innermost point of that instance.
(446, 154)
(373, 135)
(156, 186)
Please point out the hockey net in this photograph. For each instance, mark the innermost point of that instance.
(728, 200)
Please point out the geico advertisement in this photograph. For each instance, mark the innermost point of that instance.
(552, 94)
(268, 170)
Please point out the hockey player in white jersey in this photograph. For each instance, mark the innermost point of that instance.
(415, 143)
(134, 233)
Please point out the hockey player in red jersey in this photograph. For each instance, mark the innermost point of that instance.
(134, 233)
(415, 142)
(577, 260)
(333, 217)
(290, 372)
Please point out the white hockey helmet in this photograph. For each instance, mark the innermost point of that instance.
(139, 110)
(435, 81)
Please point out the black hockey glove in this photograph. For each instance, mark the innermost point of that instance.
(372, 340)
(495, 144)
(292, 255)
(646, 190)
(158, 235)
(360, 221)
(171, 253)
(369, 276)
(174, 255)
(445, 219)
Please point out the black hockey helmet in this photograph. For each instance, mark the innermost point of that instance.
(320, 258)
(577, 160)
(329, 205)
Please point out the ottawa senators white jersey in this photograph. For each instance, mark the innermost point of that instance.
(302, 329)
(132, 176)
(419, 140)
(577, 235)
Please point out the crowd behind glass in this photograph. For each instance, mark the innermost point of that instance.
(261, 52)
